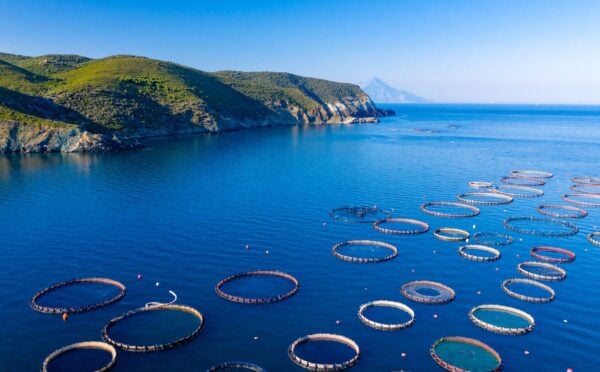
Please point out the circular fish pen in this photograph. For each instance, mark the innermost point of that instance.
(236, 366)
(386, 326)
(518, 191)
(568, 228)
(559, 255)
(505, 320)
(492, 238)
(428, 292)
(579, 188)
(353, 214)
(346, 257)
(260, 300)
(489, 254)
(528, 282)
(486, 198)
(472, 211)
(548, 272)
(154, 347)
(85, 345)
(547, 211)
(450, 234)
(480, 184)
(586, 180)
(589, 200)
(522, 181)
(328, 337)
(421, 227)
(593, 238)
(77, 309)
(531, 173)
(461, 354)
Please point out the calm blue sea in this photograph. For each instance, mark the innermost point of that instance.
(182, 211)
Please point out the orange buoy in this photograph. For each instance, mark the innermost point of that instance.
(65, 316)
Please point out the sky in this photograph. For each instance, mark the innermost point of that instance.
(501, 51)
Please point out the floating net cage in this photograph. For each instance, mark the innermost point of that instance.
(508, 283)
(588, 200)
(594, 238)
(586, 189)
(34, 303)
(522, 181)
(420, 226)
(236, 366)
(566, 228)
(492, 238)
(518, 191)
(531, 173)
(552, 254)
(471, 211)
(461, 354)
(502, 319)
(480, 253)
(480, 184)
(154, 347)
(317, 366)
(85, 345)
(586, 180)
(386, 326)
(450, 234)
(484, 198)
(428, 292)
(541, 271)
(257, 300)
(375, 246)
(562, 211)
(360, 214)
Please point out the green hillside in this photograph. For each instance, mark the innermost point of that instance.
(139, 97)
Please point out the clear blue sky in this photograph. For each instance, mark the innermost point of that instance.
(449, 51)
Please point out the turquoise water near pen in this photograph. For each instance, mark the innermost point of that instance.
(182, 211)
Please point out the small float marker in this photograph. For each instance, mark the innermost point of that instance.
(255, 338)
(266, 252)
(65, 316)
(435, 316)
(403, 355)
(247, 246)
(434, 251)
(478, 292)
(474, 227)
(526, 352)
(324, 223)
(157, 284)
(337, 322)
(139, 276)
(565, 321)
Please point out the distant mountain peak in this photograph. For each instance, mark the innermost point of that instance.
(381, 92)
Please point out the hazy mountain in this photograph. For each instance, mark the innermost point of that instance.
(381, 92)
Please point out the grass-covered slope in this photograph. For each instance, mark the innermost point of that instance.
(125, 97)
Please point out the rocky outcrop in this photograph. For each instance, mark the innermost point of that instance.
(15, 137)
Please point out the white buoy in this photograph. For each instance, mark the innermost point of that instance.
(157, 284)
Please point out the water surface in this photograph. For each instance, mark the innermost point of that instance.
(182, 211)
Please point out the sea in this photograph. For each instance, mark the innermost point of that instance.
(184, 213)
